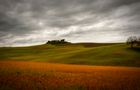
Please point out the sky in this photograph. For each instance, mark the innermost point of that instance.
(32, 22)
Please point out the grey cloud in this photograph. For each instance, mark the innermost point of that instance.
(21, 18)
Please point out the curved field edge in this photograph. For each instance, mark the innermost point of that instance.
(88, 54)
(15, 75)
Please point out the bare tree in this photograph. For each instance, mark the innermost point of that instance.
(138, 41)
(132, 41)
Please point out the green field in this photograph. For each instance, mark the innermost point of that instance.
(82, 53)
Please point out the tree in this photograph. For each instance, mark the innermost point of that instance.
(138, 41)
(56, 42)
(132, 41)
(63, 40)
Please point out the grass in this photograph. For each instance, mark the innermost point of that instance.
(22, 75)
(33, 68)
(82, 53)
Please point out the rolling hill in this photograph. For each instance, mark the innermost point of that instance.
(80, 53)
(47, 67)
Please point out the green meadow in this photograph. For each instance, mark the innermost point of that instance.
(82, 53)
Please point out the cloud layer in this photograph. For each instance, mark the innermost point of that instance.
(28, 22)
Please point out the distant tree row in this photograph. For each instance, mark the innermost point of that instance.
(133, 41)
(55, 42)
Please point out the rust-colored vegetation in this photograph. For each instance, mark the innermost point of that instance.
(20, 75)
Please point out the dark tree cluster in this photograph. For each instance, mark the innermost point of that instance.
(55, 42)
(133, 41)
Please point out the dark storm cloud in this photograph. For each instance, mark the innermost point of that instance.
(22, 21)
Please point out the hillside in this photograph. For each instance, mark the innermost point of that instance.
(82, 53)
(47, 67)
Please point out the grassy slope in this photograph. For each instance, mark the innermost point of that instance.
(91, 54)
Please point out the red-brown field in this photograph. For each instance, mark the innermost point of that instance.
(22, 75)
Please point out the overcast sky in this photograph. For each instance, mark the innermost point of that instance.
(29, 22)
